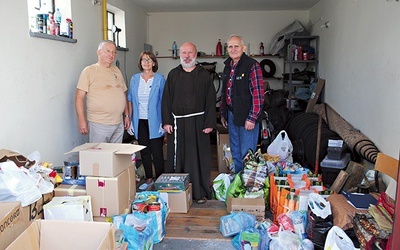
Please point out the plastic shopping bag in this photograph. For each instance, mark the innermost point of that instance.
(281, 146)
(220, 186)
(16, 185)
(337, 239)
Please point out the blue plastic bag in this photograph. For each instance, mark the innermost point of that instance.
(136, 240)
(250, 237)
(233, 223)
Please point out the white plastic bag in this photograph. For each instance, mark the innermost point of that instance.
(227, 156)
(220, 186)
(285, 240)
(281, 146)
(337, 239)
(319, 206)
(16, 185)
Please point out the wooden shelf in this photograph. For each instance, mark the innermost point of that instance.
(52, 37)
(211, 56)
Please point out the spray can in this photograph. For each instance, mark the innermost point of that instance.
(261, 49)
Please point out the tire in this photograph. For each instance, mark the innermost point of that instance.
(271, 66)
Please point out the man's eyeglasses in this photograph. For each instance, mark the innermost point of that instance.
(147, 60)
(110, 52)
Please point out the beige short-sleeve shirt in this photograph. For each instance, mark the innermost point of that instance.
(105, 93)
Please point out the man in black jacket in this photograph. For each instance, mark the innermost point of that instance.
(242, 98)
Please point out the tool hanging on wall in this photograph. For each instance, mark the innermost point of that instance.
(316, 168)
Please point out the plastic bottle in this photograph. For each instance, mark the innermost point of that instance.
(39, 23)
(174, 50)
(52, 25)
(69, 28)
(218, 51)
(261, 49)
(44, 24)
(57, 19)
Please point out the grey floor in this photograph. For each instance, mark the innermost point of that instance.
(193, 244)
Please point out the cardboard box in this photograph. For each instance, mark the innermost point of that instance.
(34, 211)
(105, 159)
(65, 235)
(221, 140)
(69, 190)
(178, 202)
(255, 206)
(173, 182)
(12, 222)
(111, 195)
(70, 208)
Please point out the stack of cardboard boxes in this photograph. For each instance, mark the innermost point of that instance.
(110, 176)
(111, 184)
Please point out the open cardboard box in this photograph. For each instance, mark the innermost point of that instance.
(60, 235)
(12, 222)
(255, 206)
(178, 202)
(105, 159)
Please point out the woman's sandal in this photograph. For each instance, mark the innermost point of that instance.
(201, 200)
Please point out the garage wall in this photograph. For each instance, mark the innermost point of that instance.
(358, 54)
(360, 62)
(205, 28)
(38, 76)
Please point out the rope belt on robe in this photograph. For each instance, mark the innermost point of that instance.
(176, 129)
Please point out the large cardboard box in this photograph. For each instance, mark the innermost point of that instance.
(12, 222)
(34, 210)
(78, 208)
(221, 140)
(178, 202)
(65, 235)
(111, 195)
(69, 190)
(255, 206)
(105, 159)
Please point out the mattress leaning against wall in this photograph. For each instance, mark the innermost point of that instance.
(355, 140)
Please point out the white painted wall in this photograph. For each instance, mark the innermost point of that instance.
(38, 76)
(205, 28)
(360, 62)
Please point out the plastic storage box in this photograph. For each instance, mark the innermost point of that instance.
(336, 153)
(331, 168)
(172, 182)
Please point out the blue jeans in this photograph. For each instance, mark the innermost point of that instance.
(241, 141)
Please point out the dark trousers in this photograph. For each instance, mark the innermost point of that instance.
(153, 153)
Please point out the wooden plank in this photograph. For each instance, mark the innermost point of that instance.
(201, 222)
(195, 233)
(339, 181)
(315, 95)
(357, 173)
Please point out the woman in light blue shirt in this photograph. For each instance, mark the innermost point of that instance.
(144, 100)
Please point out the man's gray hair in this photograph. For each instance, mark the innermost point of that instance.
(237, 36)
(102, 43)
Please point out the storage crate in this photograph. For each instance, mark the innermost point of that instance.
(331, 168)
(172, 182)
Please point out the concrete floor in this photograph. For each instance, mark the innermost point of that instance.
(172, 244)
